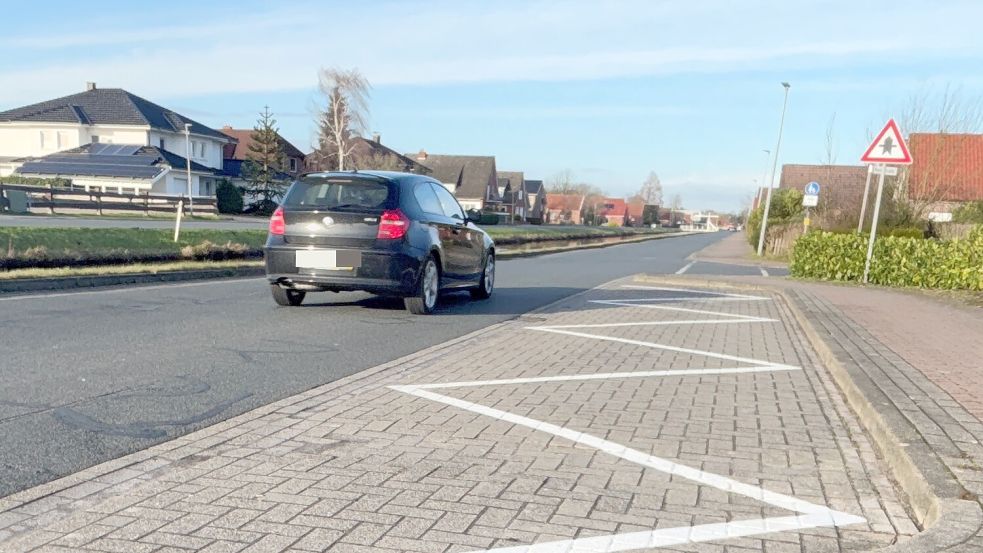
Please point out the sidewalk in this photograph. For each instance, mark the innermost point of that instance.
(918, 363)
(734, 250)
(623, 419)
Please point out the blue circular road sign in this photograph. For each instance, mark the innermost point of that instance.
(812, 189)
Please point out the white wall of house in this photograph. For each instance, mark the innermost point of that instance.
(20, 139)
(204, 149)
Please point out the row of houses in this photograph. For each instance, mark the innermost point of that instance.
(109, 139)
(946, 171)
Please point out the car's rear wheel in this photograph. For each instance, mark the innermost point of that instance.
(425, 299)
(487, 285)
(287, 297)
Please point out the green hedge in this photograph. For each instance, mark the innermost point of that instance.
(970, 212)
(898, 261)
(31, 181)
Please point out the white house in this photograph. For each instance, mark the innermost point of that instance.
(113, 116)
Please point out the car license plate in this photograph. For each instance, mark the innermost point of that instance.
(328, 260)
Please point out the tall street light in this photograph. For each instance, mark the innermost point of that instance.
(187, 158)
(771, 183)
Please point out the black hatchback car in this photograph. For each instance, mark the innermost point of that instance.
(393, 234)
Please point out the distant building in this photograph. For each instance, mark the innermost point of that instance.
(369, 154)
(947, 169)
(235, 154)
(536, 193)
(512, 190)
(614, 210)
(472, 179)
(841, 186)
(116, 117)
(565, 209)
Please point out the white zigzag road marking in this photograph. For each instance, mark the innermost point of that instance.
(810, 515)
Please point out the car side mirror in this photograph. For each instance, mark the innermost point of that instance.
(473, 215)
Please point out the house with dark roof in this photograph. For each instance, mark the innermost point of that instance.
(512, 190)
(472, 179)
(367, 154)
(113, 116)
(565, 209)
(536, 194)
(117, 168)
(235, 153)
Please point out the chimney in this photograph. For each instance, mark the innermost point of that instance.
(89, 85)
(227, 128)
(377, 138)
(422, 156)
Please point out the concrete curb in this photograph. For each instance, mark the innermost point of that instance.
(97, 281)
(933, 494)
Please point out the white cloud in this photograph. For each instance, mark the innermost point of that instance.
(426, 44)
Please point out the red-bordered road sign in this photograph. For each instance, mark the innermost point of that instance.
(889, 147)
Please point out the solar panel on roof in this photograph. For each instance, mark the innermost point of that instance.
(128, 149)
(98, 148)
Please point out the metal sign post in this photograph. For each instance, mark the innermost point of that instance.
(810, 200)
(888, 148)
(863, 206)
(177, 220)
(873, 224)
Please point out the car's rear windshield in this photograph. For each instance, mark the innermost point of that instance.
(340, 194)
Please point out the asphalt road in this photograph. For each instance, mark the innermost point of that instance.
(89, 376)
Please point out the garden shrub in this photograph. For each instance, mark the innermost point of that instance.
(228, 197)
(970, 212)
(898, 260)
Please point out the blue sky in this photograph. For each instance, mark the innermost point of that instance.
(610, 90)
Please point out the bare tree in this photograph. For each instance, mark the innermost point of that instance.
(951, 115)
(563, 182)
(343, 115)
(651, 190)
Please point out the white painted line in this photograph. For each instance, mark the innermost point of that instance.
(691, 291)
(809, 515)
(667, 537)
(677, 299)
(662, 323)
(685, 268)
(597, 376)
(680, 309)
(763, 271)
(662, 346)
(819, 515)
(130, 288)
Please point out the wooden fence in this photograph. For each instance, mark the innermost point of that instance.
(56, 200)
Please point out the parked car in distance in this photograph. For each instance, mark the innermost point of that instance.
(732, 228)
(388, 233)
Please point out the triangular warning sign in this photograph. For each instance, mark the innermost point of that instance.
(888, 147)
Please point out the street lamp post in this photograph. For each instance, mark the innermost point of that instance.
(771, 183)
(187, 159)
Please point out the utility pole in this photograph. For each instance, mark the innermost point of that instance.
(771, 183)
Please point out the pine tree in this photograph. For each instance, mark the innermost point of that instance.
(263, 168)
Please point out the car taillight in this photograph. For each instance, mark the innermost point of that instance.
(393, 225)
(278, 226)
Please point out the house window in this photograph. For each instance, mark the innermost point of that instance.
(293, 165)
(95, 139)
(41, 134)
(161, 143)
